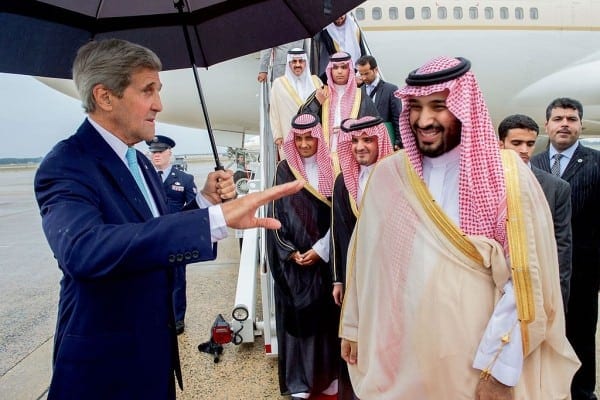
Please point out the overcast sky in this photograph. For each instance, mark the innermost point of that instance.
(34, 117)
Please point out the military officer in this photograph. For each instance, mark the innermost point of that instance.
(180, 189)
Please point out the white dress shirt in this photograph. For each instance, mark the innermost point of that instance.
(218, 227)
(567, 154)
(372, 86)
(321, 246)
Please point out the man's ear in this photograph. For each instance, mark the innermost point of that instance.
(103, 97)
(501, 143)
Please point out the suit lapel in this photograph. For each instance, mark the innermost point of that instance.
(577, 161)
(377, 91)
(154, 184)
(116, 172)
(544, 161)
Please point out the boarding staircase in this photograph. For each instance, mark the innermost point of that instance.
(253, 259)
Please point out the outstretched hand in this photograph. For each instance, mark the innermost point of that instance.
(241, 213)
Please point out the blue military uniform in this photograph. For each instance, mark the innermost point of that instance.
(180, 190)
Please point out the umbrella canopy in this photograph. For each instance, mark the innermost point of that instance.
(41, 37)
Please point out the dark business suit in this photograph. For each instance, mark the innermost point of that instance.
(583, 175)
(388, 106)
(558, 195)
(180, 190)
(115, 337)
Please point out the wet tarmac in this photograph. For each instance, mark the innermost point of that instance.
(29, 282)
(29, 296)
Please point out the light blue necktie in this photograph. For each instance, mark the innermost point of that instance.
(135, 171)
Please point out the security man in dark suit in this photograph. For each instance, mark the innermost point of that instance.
(180, 190)
(519, 132)
(382, 94)
(580, 166)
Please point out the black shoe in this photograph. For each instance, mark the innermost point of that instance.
(179, 327)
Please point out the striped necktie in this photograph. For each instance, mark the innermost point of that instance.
(135, 171)
(555, 169)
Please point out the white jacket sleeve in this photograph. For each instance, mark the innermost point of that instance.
(500, 351)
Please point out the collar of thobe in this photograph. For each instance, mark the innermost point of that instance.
(337, 119)
(340, 89)
(443, 160)
(441, 176)
(312, 170)
(363, 176)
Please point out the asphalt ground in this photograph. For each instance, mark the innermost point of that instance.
(29, 282)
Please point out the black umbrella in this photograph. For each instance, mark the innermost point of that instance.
(41, 37)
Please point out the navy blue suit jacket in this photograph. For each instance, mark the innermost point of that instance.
(558, 195)
(114, 337)
(583, 175)
(388, 106)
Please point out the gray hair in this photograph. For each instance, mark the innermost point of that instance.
(111, 63)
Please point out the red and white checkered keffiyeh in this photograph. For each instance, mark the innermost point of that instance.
(349, 95)
(349, 166)
(322, 155)
(482, 191)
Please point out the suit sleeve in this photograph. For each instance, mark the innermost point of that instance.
(190, 189)
(395, 108)
(95, 232)
(562, 232)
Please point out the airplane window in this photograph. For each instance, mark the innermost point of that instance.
(458, 14)
(503, 12)
(489, 13)
(533, 13)
(393, 12)
(409, 13)
(425, 12)
(519, 14)
(473, 12)
(359, 13)
(442, 12)
(376, 13)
